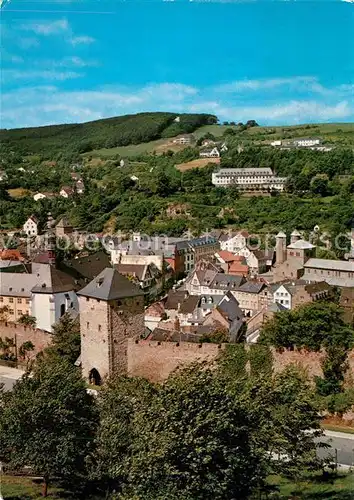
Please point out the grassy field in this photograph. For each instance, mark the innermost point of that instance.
(198, 163)
(332, 132)
(23, 488)
(19, 193)
(339, 488)
(160, 146)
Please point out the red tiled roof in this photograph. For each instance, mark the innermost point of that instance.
(227, 256)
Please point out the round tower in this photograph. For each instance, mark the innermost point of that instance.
(280, 248)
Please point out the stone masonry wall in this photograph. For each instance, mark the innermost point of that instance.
(21, 333)
(156, 360)
(127, 321)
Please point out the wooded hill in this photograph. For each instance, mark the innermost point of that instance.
(106, 133)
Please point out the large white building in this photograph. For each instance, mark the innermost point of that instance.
(248, 179)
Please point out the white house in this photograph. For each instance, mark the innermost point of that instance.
(282, 295)
(30, 227)
(275, 143)
(3, 175)
(183, 139)
(210, 153)
(80, 187)
(307, 142)
(39, 196)
(53, 295)
(232, 242)
(66, 192)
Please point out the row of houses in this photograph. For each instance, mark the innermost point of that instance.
(312, 143)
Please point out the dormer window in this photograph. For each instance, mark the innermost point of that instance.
(100, 282)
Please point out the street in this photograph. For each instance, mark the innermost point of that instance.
(343, 443)
(9, 376)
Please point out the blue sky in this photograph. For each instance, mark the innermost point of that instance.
(279, 62)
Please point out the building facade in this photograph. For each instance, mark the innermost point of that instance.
(249, 179)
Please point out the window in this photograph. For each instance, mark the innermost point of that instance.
(99, 328)
(19, 301)
(87, 299)
(19, 312)
(298, 254)
(87, 325)
(11, 311)
(11, 300)
(1, 299)
(62, 310)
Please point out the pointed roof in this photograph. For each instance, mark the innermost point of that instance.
(64, 222)
(110, 285)
(281, 235)
(295, 233)
(51, 280)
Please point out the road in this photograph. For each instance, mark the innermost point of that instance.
(343, 443)
(9, 376)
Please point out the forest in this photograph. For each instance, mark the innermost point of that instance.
(140, 194)
(108, 133)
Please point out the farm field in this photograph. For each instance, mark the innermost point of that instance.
(198, 163)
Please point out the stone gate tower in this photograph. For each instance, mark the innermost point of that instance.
(111, 311)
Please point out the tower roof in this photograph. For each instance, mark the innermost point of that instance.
(110, 285)
(301, 245)
(64, 222)
(295, 233)
(281, 235)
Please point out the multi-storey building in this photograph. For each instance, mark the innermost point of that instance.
(249, 179)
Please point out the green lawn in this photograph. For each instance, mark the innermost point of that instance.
(127, 151)
(23, 488)
(340, 488)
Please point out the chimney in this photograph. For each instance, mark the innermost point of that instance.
(280, 248)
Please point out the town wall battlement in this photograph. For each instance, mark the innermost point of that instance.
(156, 360)
(22, 333)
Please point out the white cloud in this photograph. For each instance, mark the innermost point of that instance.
(47, 28)
(43, 106)
(81, 40)
(9, 75)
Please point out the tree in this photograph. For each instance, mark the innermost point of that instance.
(48, 423)
(313, 326)
(28, 320)
(25, 348)
(4, 313)
(193, 441)
(66, 339)
(118, 401)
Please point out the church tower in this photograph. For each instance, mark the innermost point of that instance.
(111, 311)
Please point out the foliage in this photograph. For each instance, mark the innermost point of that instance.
(48, 423)
(217, 337)
(192, 441)
(313, 326)
(28, 320)
(261, 360)
(108, 133)
(334, 366)
(66, 343)
(25, 348)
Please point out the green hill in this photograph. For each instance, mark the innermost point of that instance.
(106, 133)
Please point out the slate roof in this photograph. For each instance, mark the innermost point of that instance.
(17, 285)
(110, 285)
(301, 245)
(189, 305)
(52, 280)
(251, 287)
(87, 267)
(174, 298)
(336, 265)
(226, 282)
